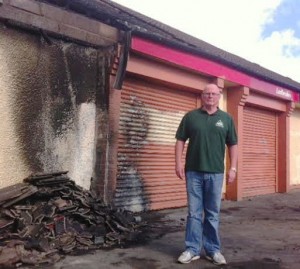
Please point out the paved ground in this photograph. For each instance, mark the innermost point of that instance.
(257, 233)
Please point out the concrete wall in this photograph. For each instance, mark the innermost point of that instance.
(295, 147)
(51, 94)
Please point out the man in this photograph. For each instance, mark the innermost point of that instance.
(208, 129)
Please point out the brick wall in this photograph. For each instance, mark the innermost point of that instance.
(55, 20)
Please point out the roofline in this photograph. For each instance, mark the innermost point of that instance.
(209, 56)
(211, 68)
(91, 9)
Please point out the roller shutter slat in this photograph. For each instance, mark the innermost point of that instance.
(259, 152)
(149, 117)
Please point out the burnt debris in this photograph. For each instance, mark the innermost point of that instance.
(49, 216)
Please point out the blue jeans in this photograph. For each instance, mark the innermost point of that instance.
(204, 191)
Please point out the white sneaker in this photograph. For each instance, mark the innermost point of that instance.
(217, 258)
(187, 257)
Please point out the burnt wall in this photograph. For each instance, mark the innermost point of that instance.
(53, 91)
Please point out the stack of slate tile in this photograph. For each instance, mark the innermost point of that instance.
(48, 216)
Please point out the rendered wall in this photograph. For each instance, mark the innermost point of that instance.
(51, 94)
(295, 147)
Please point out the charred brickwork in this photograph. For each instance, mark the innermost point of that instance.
(56, 90)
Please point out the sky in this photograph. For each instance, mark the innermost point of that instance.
(266, 32)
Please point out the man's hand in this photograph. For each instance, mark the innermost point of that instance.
(179, 170)
(231, 176)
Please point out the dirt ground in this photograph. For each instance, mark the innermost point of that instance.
(258, 233)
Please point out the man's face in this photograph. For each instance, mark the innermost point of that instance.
(210, 95)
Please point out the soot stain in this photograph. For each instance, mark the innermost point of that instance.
(136, 130)
(140, 263)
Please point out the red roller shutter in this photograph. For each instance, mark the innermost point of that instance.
(148, 122)
(259, 152)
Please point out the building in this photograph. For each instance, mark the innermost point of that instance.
(98, 89)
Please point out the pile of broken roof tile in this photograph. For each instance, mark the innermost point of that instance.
(48, 216)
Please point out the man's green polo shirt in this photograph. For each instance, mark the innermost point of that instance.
(208, 135)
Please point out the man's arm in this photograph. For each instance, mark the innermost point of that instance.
(233, 155)
(179, 146)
